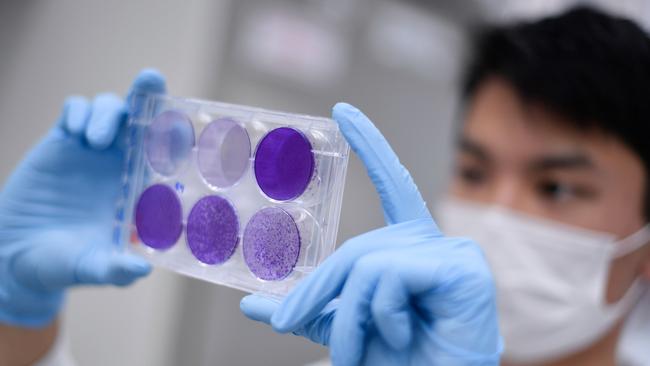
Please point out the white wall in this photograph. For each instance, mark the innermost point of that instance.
(50, 49)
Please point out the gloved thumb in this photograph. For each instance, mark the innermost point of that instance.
(56, 265)
(113, 268)
(318, 330)
(258, 308)
(148, 81)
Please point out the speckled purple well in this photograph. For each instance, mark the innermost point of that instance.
(158, 217)
(212, 230)
(168, 141)
(284, 163)
(271, 244)
(224, 152)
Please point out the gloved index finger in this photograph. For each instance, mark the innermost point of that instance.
(397, 191)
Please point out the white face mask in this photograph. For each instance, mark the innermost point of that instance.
(550, 277)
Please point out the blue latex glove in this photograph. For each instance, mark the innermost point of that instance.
(57, 210)
(401, 295)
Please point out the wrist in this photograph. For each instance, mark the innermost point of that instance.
(24, 346)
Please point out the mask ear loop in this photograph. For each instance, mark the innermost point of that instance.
(632, 242)
(626, 246)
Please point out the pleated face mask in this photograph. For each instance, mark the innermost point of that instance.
(551, 277)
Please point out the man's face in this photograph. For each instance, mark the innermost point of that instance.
(526, 158)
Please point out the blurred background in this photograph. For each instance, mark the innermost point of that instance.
(399, 61)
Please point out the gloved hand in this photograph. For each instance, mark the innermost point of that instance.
(407, 295)
(57, 210)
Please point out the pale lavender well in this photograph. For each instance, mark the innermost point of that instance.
(158, 217)
(224, 151)
(212, 230)
(271, 244)
(168, 142)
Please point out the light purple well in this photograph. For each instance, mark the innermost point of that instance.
(284, 163)
(168, 141)
(224, 152)
(271, 244)
(212, 230)
(158, 217)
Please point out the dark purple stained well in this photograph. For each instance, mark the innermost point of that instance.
(212, 230)
(158, 217)
(271, 244)
(284, 163)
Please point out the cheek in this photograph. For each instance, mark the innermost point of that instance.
(456, 186)
(616, 207)
(458, 190)
(595, 214)
(623, 187)
(619, 209)
(625, 215)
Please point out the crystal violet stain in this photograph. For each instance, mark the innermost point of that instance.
(284, 163)
(271, 244)
(212, 230)
(158, 217)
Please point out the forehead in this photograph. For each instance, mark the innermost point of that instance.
(513, 131)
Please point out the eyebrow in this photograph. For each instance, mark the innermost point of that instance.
(473, 148)
(569, 160)
(575, 160)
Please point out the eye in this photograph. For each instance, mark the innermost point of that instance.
(558, 191)
(472, 175)
(553, 190)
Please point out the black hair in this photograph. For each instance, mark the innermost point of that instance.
(585, 65)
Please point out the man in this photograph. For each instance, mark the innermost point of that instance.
(557, 129)
(551, 182)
